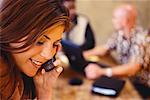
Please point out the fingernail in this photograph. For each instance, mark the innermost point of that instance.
(57, 62)
(59, 69)
(43, 71)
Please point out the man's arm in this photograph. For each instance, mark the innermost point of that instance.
(97, 51)
(93, 71)
(103, 49)
(129, 69)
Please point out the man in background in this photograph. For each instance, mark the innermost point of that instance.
(129, 42)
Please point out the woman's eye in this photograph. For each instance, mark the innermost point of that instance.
(40, 43)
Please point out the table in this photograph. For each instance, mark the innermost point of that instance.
(64, 91)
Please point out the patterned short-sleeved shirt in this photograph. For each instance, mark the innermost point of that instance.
(144, 74)
(134, 47)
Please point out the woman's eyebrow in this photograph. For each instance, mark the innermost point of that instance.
(47, 37)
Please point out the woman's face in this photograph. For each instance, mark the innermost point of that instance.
(44, 49)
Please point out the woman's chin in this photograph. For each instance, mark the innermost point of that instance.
(31, 74)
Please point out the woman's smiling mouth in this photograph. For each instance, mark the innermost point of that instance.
(36, 63)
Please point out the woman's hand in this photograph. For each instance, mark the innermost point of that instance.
(44, 81)
(93, 71)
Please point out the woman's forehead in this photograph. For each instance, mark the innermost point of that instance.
(54, 27)
(54, 32)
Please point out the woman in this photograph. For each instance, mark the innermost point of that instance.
(31, 31)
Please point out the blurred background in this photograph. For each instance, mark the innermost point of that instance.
(99, 13)
(74, 86)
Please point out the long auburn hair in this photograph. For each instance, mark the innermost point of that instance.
(26, 20)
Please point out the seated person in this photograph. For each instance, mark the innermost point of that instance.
(81, 32)
(129, 42)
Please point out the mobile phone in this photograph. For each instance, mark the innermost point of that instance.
(48, 66)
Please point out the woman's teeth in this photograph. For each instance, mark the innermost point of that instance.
(37, 62)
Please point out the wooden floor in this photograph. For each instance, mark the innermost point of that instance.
(64, 91)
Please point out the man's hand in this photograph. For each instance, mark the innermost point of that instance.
(93, 71)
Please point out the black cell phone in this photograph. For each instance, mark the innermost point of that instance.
(48, 66)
